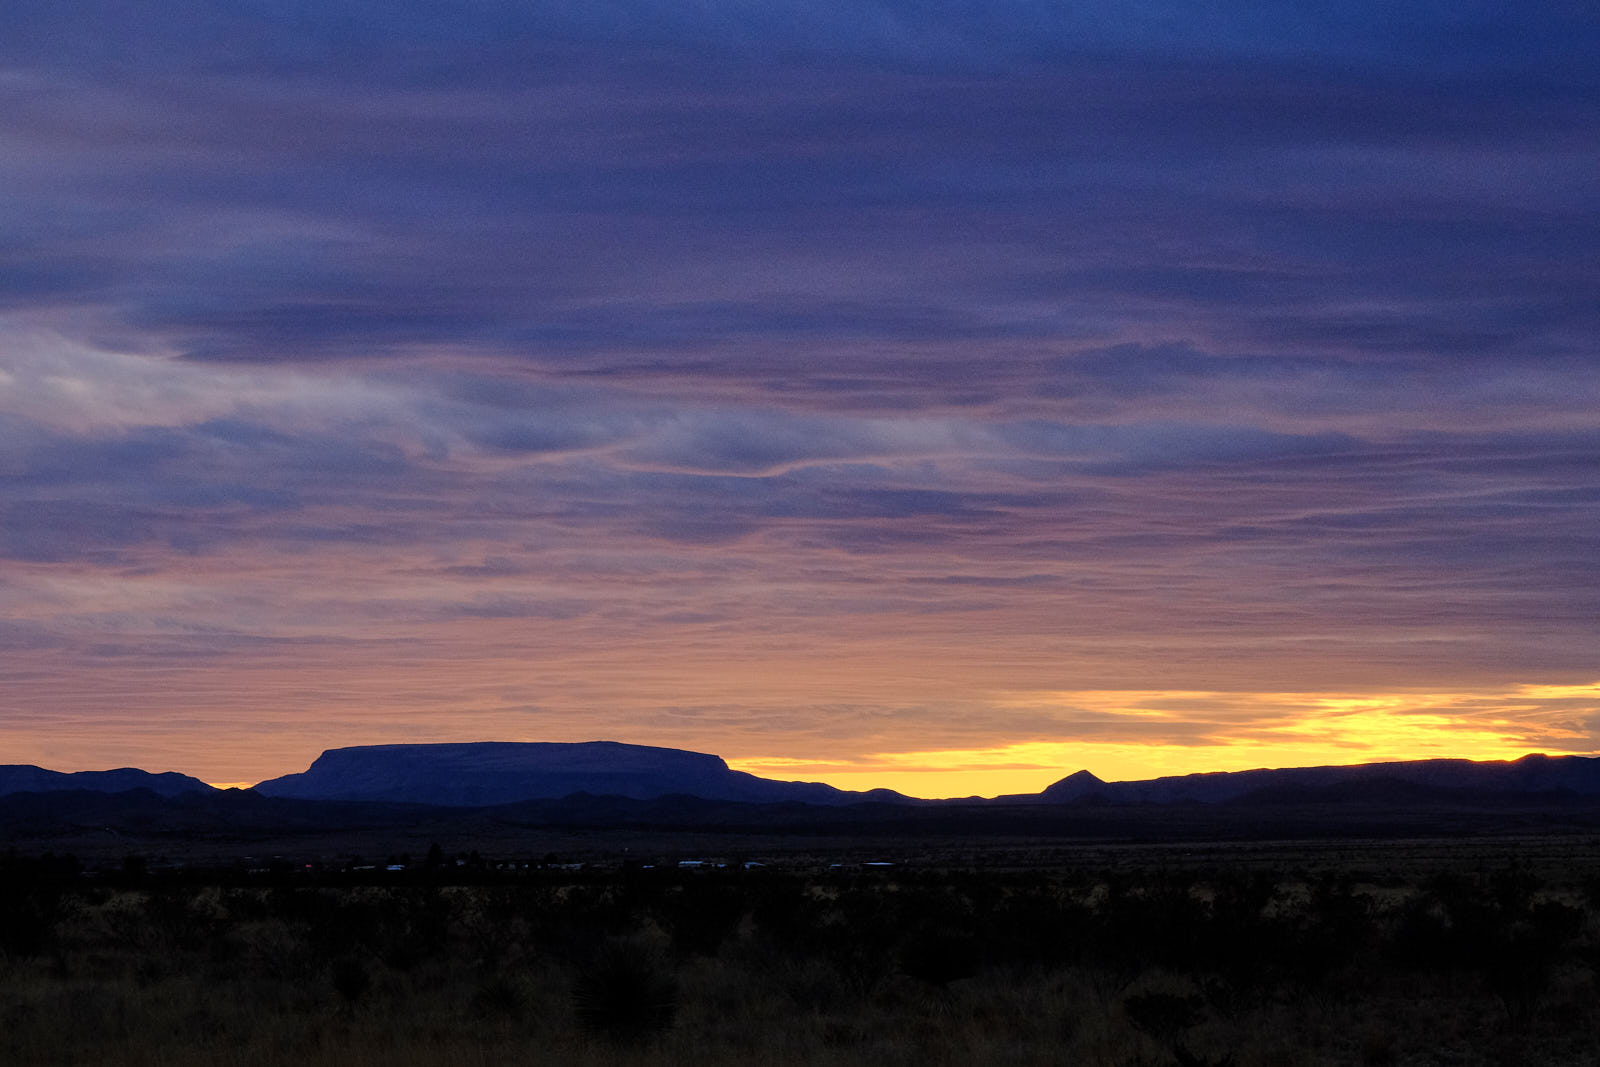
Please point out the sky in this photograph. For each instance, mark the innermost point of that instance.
(940, 396)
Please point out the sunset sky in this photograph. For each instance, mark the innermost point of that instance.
(942, 396)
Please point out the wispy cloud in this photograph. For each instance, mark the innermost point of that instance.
(747, 374)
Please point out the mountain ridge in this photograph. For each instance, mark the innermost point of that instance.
(1535, 773)
(484, 774)
(27, 778)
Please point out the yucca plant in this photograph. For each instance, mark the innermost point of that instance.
(625, 993)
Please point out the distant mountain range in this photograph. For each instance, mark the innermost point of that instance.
(494, 774)
(1530, 775)
(25, 778)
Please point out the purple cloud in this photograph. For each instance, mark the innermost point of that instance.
(702, 348)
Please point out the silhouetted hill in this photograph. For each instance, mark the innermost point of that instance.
(26, 778)
(1530, 775)
(488, 773)
(1074, 787)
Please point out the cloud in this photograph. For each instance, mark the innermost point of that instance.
(583, 197)
(844, 365)
(289, 39)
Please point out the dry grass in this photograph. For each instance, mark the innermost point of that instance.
(771, 972)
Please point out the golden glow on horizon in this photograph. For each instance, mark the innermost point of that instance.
(983, 743)
(1275, 730)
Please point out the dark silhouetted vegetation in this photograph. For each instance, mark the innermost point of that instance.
(1118, 965)
(626, 993)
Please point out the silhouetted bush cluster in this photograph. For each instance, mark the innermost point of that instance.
(625, 992)
(1175, 959)
(33, 898)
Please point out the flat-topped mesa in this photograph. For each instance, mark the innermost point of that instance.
(475, 774)
(585, 757)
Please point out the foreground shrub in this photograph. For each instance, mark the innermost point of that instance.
(625, 994)
(350, 979)
(939, 956)
(1163, 1016)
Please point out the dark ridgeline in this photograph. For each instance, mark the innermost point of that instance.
(495, 773)
(503, 772)
(1439, 779)
(25, 778)
(603, 784)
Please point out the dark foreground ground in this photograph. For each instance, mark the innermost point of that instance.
(518, 944)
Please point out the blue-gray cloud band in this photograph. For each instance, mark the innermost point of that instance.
(1147, 331)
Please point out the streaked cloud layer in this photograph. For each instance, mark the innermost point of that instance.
(868, 389)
